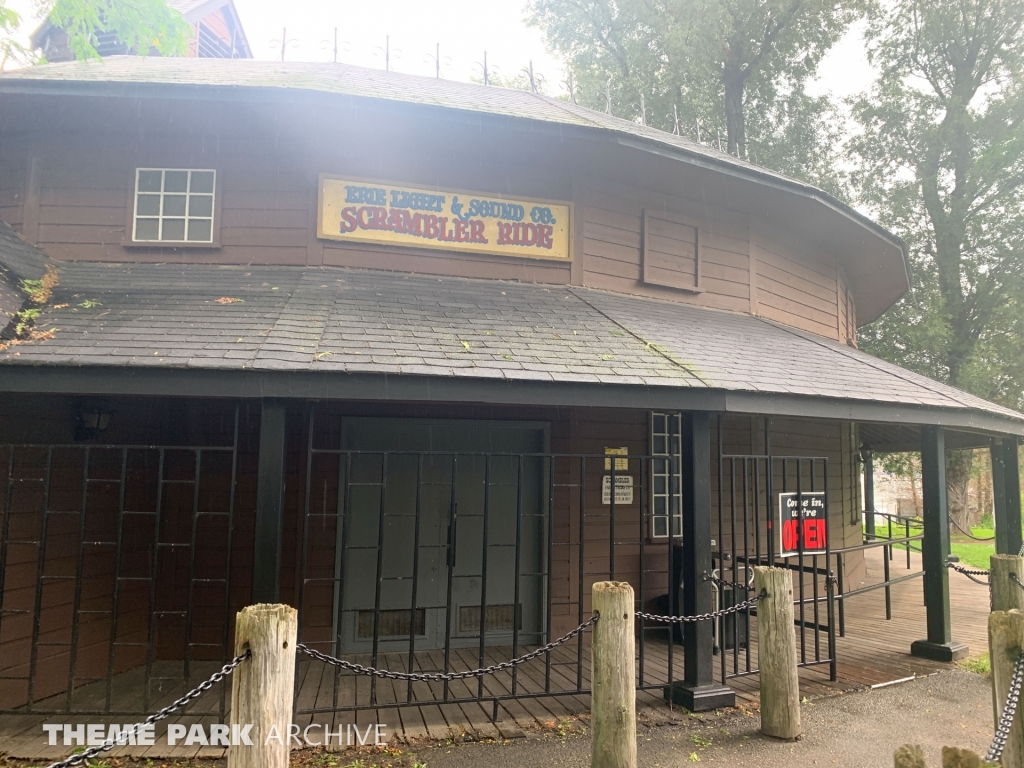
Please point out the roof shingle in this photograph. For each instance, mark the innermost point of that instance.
(366, 321)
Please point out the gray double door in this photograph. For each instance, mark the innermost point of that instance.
(445, 534)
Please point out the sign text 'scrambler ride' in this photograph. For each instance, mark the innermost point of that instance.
(369, 212)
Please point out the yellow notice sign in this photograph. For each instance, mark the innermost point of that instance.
(368, 212)
(622, 464)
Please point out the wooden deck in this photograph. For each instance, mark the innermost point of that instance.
(872, 652)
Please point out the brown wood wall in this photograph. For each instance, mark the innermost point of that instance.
(181, 424)
(268, 202)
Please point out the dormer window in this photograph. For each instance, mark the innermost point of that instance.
(174, 205)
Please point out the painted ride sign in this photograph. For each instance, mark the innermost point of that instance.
(387, 214)
(803, 523)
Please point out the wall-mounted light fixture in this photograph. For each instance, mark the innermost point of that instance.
(91, 423)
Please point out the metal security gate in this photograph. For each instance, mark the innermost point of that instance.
(390, 529)
(115, 574)
(750, 490)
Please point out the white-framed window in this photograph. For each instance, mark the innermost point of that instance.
(174, 205)
(666, 490)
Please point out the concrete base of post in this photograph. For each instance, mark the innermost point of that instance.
(925, 649)
(700, 698)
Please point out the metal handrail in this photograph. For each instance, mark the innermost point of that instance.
(880, 542)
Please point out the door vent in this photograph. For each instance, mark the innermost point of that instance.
(392, 624)
(496, 617)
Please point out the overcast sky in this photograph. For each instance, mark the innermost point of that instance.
(463, 28)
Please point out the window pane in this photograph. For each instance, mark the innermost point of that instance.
(677, 527)
(174, 229)
(149, 181)
(147, 229)
(200, 205)
(199, 230)
(660, 526)
(174, 205)
(660, 505)
(175, 181)
(149, 205)
(202, 181)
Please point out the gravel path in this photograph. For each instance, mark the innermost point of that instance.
(856, 730)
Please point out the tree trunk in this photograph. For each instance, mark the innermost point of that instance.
(735, 127)
(958, 482)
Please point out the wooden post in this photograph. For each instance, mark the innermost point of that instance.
(697, 691)
(1006, 594)
(613, 682)
(952, 757)
(912, 756)
(938, 646)
(780, 686)
(266, 577)
(869, 493)
(1005, 643)
(262, 688)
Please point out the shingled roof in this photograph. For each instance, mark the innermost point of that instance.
(350, 321)
(348, 80)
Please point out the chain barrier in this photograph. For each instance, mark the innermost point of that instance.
(995, 752)
(446, 676)
(723, 583)
(970, 573)
(968, 534)
(166, 712)
(1016, 580)
(752, 602)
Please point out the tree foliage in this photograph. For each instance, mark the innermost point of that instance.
(941, 162)
(142, 25)
(736, 68)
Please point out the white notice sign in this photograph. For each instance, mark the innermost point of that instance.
(623, 489)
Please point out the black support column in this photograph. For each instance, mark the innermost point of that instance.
(697, 691)
(266, 577)
(1006, 496)
(935, 549)
(869, 492)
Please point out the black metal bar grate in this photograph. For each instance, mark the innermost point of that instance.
(107, 570)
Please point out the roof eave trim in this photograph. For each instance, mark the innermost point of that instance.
(195, 382)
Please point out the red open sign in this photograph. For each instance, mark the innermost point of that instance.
(803, 523)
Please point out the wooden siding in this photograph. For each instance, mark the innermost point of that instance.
(671, 255)
(13, 182)
(795, 288)
(613, 237)
(268, 206)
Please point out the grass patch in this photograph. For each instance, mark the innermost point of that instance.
(979, 665)
(973, 553)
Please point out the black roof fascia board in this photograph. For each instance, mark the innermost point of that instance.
(260, 93)
(192, 382)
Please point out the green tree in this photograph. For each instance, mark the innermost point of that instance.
(941, 161)
(142, 25)
(737, 65)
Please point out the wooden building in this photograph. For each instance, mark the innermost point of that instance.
(216, 34)
(425, 359)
